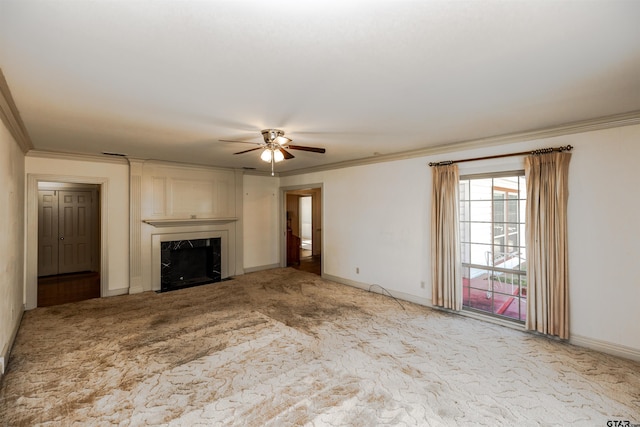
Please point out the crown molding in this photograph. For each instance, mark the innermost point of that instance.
(104, 158)
(77, 156)
(11, 117)
(607, 122)
(169, 163)
(255, 172)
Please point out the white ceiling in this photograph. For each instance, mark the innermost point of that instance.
(167, 79)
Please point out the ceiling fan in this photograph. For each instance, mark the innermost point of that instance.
(275, 147)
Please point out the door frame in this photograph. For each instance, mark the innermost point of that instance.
(31, 242)
(282, 222)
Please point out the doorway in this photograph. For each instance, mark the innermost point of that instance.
(68, 242)
(306, 233)
(303, 236)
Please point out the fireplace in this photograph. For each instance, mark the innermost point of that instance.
(162, 265)
(193, 262)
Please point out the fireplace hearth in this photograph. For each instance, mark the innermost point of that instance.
(187, 263)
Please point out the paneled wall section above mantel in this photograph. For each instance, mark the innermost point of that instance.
(178, 192)
(174, 199)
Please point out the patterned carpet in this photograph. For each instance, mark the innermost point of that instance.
(284, 347)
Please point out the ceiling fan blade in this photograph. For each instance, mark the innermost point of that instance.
(303, 148)
(287, 155)
(246, 151)
(241, 142)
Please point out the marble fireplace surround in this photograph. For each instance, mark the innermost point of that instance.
(157, 239)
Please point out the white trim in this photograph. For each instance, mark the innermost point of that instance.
(10, 115)
(601, 123)
(135, 226)
(6, 351)
(608, 122)
(487, 318)
(185, 222)
(239, 225)
(77, 156)
(259, 173)
(104, 158)
(116, 292)
(373, 287)
(606, 347)
(282, 220)
(261, 268)
(31, 272)
(577, 340)
(182, 165)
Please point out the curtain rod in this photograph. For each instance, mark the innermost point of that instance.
(497, 156)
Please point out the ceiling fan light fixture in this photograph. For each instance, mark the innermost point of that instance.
(278, 156)
(266, 155)
(270, 153)
(275, 147)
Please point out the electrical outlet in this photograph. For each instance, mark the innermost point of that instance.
(357, 270)
(422, 284)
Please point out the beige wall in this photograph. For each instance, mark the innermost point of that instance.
(260, 206)
(12, 164)
(376, 219)
(169, 191)
(114, 216)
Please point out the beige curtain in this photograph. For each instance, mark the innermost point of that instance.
(445, 242)
(547, 258)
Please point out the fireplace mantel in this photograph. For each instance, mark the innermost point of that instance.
(187, 221)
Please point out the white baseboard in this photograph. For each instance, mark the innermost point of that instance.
(373, 287)
(606, 347)
(6, 351)
(135, 287)
(578, 340)
(116, 292)
(261, 267)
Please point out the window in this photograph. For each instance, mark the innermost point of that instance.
(492, 237)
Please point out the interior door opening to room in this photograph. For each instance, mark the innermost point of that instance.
(303, 229)
(306, 230)
(68, 242)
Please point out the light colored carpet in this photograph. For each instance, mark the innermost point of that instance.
(284, 347)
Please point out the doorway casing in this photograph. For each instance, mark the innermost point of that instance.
(31, 246)
(297, 189)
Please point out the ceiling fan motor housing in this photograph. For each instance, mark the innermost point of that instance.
(270, 135)
(274, 136)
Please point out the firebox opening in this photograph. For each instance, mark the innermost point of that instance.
(186, 263)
